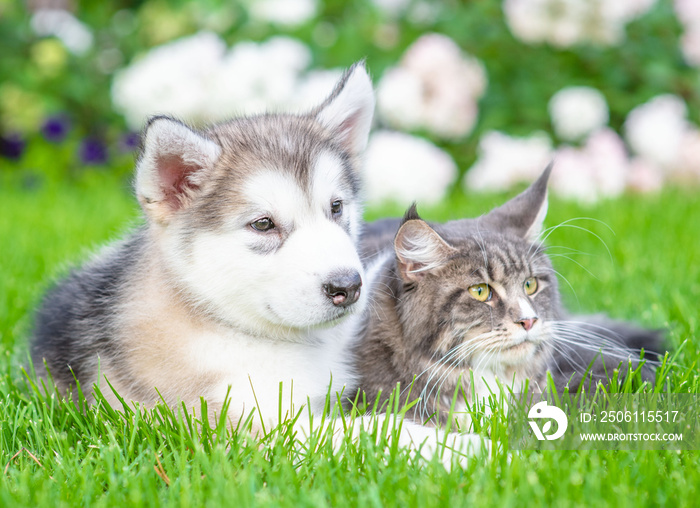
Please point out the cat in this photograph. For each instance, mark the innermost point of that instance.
(476, 300)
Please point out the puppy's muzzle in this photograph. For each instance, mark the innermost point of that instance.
(343, 288)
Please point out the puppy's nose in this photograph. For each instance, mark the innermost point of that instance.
(528, 323)
(343, 288)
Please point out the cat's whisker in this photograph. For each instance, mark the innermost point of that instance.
(607, 350)
(457, 355)
(485, 360)
(574, 261)
(569, 249)
(374, 306)
(449, 340)
(432, 368)
(558, 274)
(567, 223)
(565, 350)
(617, 352)
(591, 340)
(552, 361)
(586, 324)
(583, 330)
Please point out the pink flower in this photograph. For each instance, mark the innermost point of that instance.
(564, 23)
(504, 161)
(608, 157)
(690, 45)
(688, 12)
(598, 170)
(655, 129)
(576, 111)
(687, 169)
(435, 87)
(643, 176)
(403, 168)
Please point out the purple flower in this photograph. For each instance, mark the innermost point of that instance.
(129, 142)
(93, 151)
(12, 146)
(55, 128)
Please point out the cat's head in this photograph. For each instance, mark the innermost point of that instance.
(479, 292)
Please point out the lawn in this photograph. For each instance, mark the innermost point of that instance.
(638, 259)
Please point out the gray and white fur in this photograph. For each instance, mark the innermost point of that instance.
(245, 279)
(245, 274)
(429, 330)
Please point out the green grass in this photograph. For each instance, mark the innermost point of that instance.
(54, 454)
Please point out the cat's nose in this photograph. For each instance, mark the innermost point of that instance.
(527, 323)
(343, 288)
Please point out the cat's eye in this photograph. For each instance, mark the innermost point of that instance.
(264, 224)
(336, 208)
(481, 292)
(530, 286)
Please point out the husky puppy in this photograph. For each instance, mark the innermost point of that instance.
(245, 274)
(461, 304)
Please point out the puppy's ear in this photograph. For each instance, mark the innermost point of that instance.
(420, 249)
(348, 112)
(174, 163)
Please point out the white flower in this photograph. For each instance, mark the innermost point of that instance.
(598, 170)
(418, 12)
(403, 168)
(644, 176)
(435, 88)
(504, 161)
(577, 111)
(688, 12)
(655, 129)
(608, 157)
(289, 13)
(400, 98)
(174, 78)
(690, 45)
(74, 35)
(687, 169)
(258, 77)
(392, 8)
(564, 23)
(527, 19)
(314, 87)
(195, 79)
(572, 176)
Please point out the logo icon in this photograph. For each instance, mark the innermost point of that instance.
(542, 410)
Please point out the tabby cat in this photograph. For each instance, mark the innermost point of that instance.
(476, 300)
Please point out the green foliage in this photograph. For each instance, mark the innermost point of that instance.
(39, 77)
(635, 258)
(56, 453)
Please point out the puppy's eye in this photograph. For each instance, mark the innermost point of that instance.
(481, 292)
(336, 208)
(264, 224)
(530, 286)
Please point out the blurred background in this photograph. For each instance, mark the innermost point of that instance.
(474, 95)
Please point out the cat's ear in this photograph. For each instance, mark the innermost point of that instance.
(175, 160)
(524, 214)
(419, 248)
(348, 111)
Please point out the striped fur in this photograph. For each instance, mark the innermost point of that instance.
(428, 332)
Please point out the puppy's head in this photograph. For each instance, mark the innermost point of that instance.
(257, 218)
